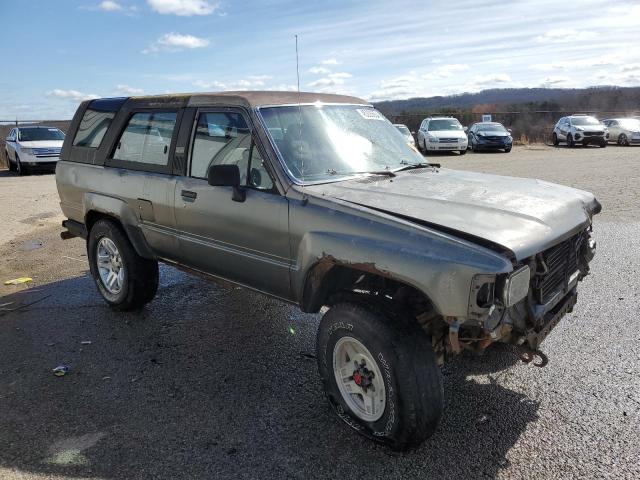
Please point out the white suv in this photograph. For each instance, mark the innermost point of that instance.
(582, 129)
(31, 148)
(624, 131)
(442, 134)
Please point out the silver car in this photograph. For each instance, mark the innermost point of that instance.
(408, 135)
(624, 131)
(317, 200)
(579, 129)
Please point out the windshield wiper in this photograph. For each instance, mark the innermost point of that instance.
(388, 173)
(412, 166)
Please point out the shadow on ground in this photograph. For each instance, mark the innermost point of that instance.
(209, 382)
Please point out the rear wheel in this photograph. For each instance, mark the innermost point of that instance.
(623, 140)
(380, 374)
(126, 280)
(556, 140)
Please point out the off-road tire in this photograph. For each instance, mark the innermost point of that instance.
(141, 275)
(555, 139)
(412, 379)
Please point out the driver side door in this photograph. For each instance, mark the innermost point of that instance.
(243, 241)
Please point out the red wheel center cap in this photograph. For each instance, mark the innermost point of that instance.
(357, 378)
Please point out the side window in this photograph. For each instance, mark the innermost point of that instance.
(93, 126)
(147, 138)
(224, 138)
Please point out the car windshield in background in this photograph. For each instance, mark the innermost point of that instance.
(453, 124)
(404, 130)
(630, 123)
(491, 127)
(323, 142)
(39, 134)
(585, 121)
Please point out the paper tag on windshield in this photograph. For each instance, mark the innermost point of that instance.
(370, 114)
(52, 129)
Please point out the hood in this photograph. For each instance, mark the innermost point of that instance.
(42, 144)
(496, 133)
(525, 216)
(448, 133)
(590, 128)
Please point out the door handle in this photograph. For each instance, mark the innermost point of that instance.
(188, 195)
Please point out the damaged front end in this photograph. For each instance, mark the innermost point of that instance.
(522, 307)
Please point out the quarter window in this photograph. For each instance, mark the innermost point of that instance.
(93, 126)
(224, 138)
(147, 138)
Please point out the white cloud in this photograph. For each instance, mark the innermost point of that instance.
(73, 95)
(558, 35)
(632, 67)
(175, 42)
(331, 83)
(184, 8)
(446, 71)
(555, 82)
(319, 70)
(399, 88)
(330, 61)
(252, 82)
(492, 79)
(339, 75)
(110, 6)
(127, 90)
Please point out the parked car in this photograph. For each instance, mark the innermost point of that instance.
(582, 129)
(33, 148)
(439, 134)
(489, 136)
(623, 131)
(404, 130)
(316, 200)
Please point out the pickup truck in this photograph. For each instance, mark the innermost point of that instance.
(318, 200)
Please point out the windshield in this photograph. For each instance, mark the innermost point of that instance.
(491, 127)
(585, 121)
(37, 134)
(447, 124)
(321, 142)
(630, 123)
(403, 130)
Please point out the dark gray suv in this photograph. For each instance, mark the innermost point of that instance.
(319, 201)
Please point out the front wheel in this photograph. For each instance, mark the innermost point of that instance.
(380, 374)
(570, 142)
(556, 140)
(623, 140)
(462, 152)
(603, 144)
(507, 150)
(19, 169)
(126, 280)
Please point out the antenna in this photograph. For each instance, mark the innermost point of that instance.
(304, 199)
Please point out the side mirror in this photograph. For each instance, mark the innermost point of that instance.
(509, 130)
(413, 132)
(466, 129)
(227, 176)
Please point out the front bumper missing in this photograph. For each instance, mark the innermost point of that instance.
(534, 337)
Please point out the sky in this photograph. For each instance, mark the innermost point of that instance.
(60, 52)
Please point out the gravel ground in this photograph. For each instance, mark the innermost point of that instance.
(208, 381)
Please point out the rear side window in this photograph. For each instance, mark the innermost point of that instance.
(93, 126)
(147, 138)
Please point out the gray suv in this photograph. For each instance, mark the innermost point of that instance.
(319, 201)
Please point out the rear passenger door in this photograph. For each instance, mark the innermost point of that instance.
(246, 242)
(144, 175)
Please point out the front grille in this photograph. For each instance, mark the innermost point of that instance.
(593, 134)
(555, 266)
(448, 140)
(47, 152)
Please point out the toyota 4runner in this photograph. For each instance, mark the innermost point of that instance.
(319, 201)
